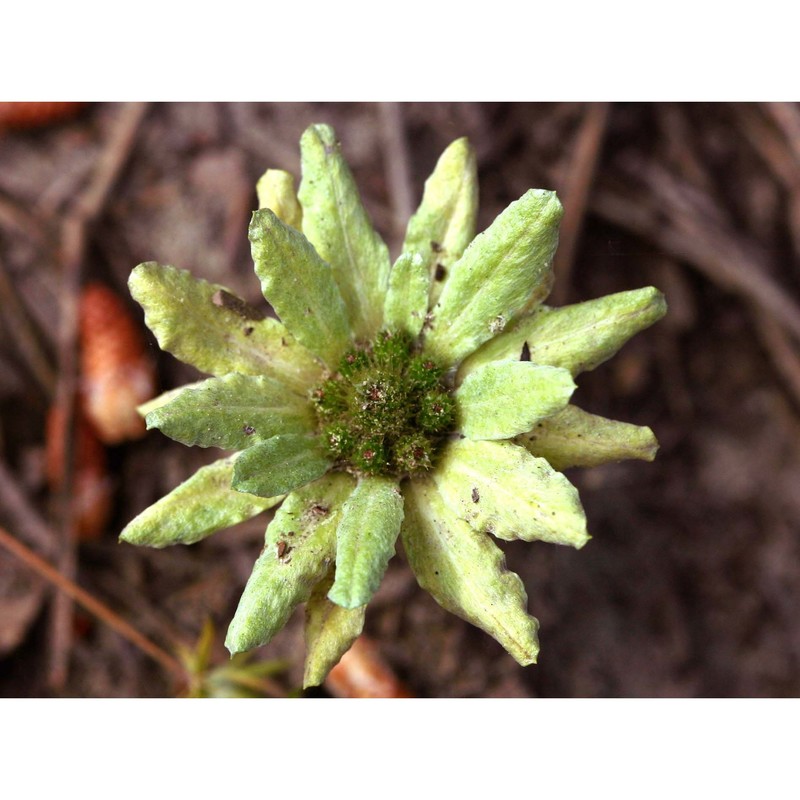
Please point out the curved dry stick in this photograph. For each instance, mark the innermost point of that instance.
(724, 262)
(21, 329)
(74, 239)
(576, 189)
(19, 508)
(91, 604)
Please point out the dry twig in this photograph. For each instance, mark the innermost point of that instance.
(21, 511)
(575, 193)
(687, 224)
(24, 223)
(688, 227)
(20, 328)
(787, 117)
(786, 167)
(769, 145)
(783, 355)
(75, 232)
(91, 604)
(676, 132)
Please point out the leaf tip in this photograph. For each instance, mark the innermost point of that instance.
(660, 306)
(261, 221)
(649, 444)
(138, 277)
(234, 643)
(321, 131)
(582, 540)
(346, 597)
(141, 269)
(459, 150)
(132, 534)
(312, 678)
(152, 420)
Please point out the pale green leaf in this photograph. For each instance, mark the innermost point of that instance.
(579, 337)
(300, 286)
(506, 267)
(330, 630)
(275, 190)
(279, 464)
(200, 506)
(165, 397)
(504, 398)
(501, 488)
(336, 223)
(365, 540)
(465, 572)
(208, 327)
(407, 298)
(299, 548)
(233, 412)
(444, 223)
(576, 438)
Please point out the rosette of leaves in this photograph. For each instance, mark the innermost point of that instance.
(426, 399)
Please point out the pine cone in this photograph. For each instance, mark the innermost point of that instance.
(117, 372)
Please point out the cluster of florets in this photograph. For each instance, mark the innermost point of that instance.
(386, 411)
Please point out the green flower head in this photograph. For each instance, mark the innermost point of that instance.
(426, 399)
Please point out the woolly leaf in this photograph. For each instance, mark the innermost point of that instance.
(200, 506)
(576, 438)
(365, 540)
(504, 398)
(208, 327)
(279, 464)
(233, 413)
(335, 222)
(503, 270)
(300, 286)
(500, 488)
(330, 630)
(444, 223)
(407, 298)
(465, 572)
(165, 397)
(299, 548)
(579, 337)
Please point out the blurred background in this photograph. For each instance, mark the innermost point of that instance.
(691, 584)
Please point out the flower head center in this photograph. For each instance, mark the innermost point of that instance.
(386, 410)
